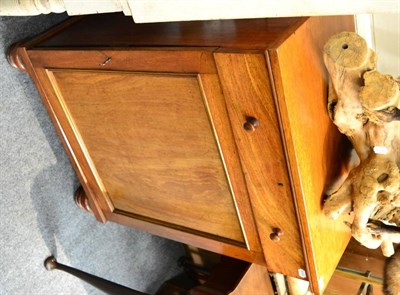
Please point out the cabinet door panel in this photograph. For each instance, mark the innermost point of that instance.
(152, 147)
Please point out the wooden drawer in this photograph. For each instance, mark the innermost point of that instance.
(201, 132)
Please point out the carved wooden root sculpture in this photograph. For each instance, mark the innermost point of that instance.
(364, 104)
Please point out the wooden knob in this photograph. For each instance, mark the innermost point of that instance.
(251, 124)
(276, 234)
(13, 57)
(81, 200)
(50, 263)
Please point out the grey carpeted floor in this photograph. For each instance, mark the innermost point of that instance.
(38, 215)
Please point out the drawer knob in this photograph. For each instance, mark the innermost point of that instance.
(251, 124)
(276, 234)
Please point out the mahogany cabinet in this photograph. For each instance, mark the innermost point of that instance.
(211, 133)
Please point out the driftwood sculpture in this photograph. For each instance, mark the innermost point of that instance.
(364, 104)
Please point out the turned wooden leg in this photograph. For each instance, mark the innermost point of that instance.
(13, 57)
(104, 285)
(81, 200)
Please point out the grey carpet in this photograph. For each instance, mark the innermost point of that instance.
(38, 215)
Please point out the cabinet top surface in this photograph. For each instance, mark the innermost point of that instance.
(117, 30)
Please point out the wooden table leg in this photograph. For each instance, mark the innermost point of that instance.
(104, 285)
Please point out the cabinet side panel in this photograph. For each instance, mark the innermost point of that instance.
(247, 91)
(314, 147)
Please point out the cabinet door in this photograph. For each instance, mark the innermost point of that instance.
(150, 137)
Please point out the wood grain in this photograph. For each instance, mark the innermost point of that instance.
(247, 93)
(256, 281)
(248, 250)
(187, 60)
(314, 147)
(117, 30)
(270, 179)
(152, 147)
(221, 123)
(187, 237)
(65, 131)
(339, 285)
(14, 57)
(361, 259)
